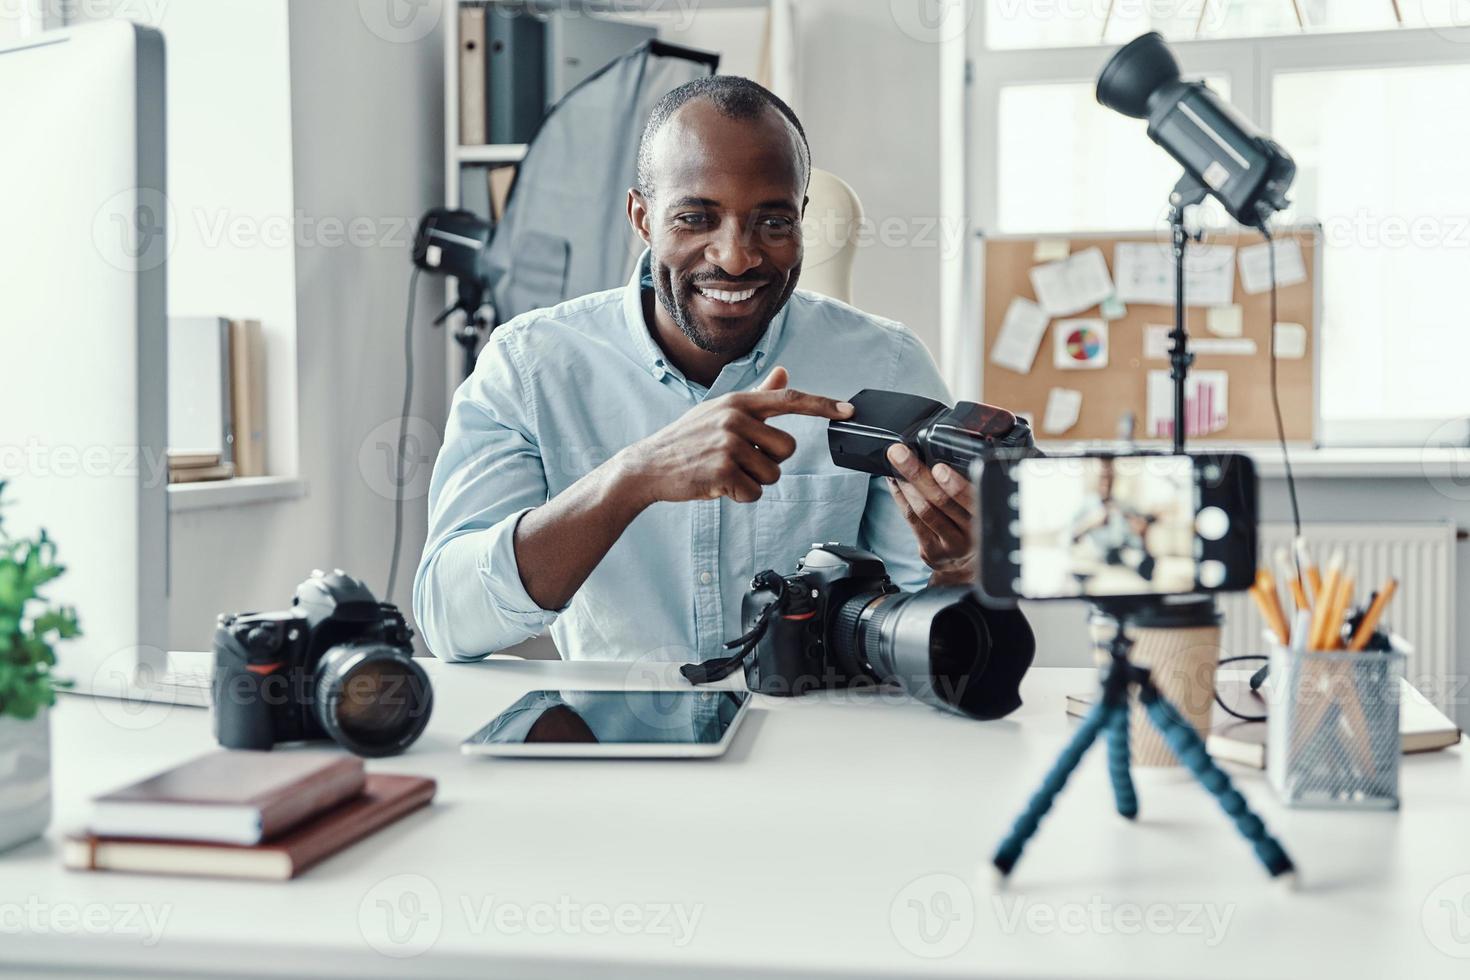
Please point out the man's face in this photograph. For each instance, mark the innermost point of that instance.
(723, 224)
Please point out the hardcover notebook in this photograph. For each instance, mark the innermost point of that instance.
(229, 797)
(383, 800)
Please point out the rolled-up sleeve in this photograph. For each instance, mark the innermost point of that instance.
(884, 530)
(468, 596)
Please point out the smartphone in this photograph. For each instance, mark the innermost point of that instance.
(1117, 525)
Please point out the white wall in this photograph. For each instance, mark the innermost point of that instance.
(321, 135)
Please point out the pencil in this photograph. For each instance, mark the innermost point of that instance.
(1322, 603)
(1343, 599)
(1311, 581)
(1375, 612)
(1265, 592)
(1292, 579)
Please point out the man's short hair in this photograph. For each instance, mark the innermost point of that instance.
(734, 97)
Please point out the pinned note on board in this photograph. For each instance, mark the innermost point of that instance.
(1063, 409)
(1080, 344)
(1020, 335)
(1225, 321)
(1156, 344)
(1051, 249)
(1073, 284)
(1255, 265)
(1291, 340)
(1145, 274)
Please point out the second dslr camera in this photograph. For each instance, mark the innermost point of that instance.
(338, 664)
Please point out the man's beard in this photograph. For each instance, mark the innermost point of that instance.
(707, 340)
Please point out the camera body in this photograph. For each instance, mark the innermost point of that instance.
(935, 432)
(792, 656)
(338, 664)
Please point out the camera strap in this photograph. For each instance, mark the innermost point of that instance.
(722, 667)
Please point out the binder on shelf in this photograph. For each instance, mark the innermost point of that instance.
(472, 78)
(516, 75)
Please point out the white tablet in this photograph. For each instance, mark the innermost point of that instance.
(614, 724)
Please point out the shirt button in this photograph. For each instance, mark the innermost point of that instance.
(657, 371)
(705, 578)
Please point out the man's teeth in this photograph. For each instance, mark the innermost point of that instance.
(725, 296)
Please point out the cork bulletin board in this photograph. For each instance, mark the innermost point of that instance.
(1122, 385)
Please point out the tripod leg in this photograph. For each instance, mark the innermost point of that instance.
(1189, 748)
(1009, 851)
(1123, 792)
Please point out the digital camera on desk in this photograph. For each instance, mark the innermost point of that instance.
(840, 622)
(338, 664)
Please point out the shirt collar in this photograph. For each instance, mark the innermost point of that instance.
(648, 348)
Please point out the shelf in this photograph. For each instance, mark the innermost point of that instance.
(233, 493)
(491, 153)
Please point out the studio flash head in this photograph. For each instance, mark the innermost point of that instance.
(1246, 171)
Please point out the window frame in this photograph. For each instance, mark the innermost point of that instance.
(1252, 64)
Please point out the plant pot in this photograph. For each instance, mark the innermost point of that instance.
(25, 778)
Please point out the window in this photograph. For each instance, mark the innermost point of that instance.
(1361, 106)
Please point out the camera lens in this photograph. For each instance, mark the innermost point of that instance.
(373, 699)
(933, 643)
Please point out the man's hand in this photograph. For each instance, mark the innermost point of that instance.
(939, 505)
(724, 448)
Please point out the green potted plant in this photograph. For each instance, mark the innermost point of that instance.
(30, 626)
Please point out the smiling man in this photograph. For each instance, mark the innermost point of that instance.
(619, 466)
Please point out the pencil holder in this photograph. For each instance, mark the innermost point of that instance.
(1332, 736)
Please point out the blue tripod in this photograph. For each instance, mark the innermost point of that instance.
(1111, 714)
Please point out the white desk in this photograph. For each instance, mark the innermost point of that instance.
(799, 852)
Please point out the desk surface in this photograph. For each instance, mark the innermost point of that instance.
(843, 834)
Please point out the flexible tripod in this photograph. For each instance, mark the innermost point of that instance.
(1111, 714)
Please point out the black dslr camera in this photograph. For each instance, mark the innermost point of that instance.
(935, 432)
(338, 664)
(840, 622)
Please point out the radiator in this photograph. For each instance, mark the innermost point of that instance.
(1420, 556)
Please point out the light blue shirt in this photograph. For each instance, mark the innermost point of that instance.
(557, 392)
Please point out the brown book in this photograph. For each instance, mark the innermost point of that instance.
(247, 396)
(1422, 726)
(383, 800)
(229, 797)
(200, 474)
(472, 76)
(186, 460)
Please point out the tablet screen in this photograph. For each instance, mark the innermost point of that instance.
(614, 718)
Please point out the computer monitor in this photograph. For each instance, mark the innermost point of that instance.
(84, 248)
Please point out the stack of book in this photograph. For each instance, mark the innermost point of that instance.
(186, 467)
(268, 815)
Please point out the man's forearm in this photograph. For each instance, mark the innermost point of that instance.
(559, 543)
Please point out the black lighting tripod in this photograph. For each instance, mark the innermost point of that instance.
(1110, 714)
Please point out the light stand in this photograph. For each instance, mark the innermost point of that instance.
(476, 325)
(1186, 193)
(1110, 714)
